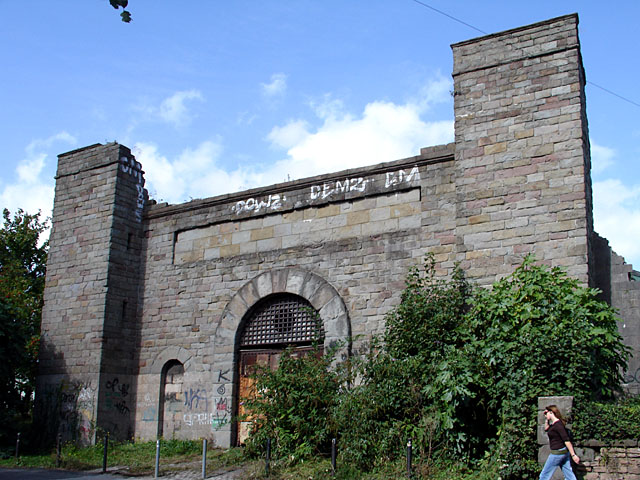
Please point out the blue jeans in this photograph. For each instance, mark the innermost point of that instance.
(557, 461)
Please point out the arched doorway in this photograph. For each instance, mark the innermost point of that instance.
(277, 322)
(320, 294)
(170, 405)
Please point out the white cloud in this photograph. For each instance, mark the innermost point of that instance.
(329, 108)
(616, 214)
(194, 173)
(277, 86)
(32, 190)
(601, 157)
(174, 110)
(289, 135)
(383, 131)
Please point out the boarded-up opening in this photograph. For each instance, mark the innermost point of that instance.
(170, 401)
(277, 322)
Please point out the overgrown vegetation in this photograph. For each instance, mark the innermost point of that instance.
(22, 266)
(607, 421)
(458, 371)
(294, 406)
(538, 332)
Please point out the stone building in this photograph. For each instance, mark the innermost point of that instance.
(154, 313)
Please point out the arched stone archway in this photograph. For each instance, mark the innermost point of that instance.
(322, 296)
(170, 403)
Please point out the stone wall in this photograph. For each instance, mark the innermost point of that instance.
(343, 241)
(606, 462)
(145, 303)
(625, 297)
(87, 358)
(522, 152)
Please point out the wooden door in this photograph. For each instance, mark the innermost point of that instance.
(249, 359)
(246, 386)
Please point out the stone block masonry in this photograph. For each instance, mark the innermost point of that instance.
(89, 332)
(522, 155)
(147, 305)
(625, 299)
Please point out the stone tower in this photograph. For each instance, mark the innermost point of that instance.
(89, 332)
(522, 155)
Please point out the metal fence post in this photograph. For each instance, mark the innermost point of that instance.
(268, 457)
(104, 452)
(409, 459)
(59, 451)
(157, 472)
(333, 457)
(18, 446)
(204, 458)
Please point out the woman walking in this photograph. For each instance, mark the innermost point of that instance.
(562, 451)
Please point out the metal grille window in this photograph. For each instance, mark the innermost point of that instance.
(281, 320)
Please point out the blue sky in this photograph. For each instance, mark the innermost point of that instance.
(214, 97)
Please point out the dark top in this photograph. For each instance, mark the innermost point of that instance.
(557, 435)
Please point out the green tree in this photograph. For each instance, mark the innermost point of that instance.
(117, 4)
(22, 267)
(538, 332)
(416, 381)
(458, 371)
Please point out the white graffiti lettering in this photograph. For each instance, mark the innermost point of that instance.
(328, 189)
(133, 168)
(272, 202)
(204, 418)
(400, 176)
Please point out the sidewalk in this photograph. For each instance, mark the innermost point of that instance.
(194, 473)
(113, 474)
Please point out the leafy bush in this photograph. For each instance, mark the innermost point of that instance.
(409, 385)
(292, 406)
(607, 422)
(22, 267)
(458, 371)
(538, 332)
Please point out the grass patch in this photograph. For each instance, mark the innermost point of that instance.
(177, 455)
(136, 458)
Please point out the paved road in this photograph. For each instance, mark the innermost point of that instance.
(42, 474)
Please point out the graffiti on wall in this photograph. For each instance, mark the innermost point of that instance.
(116, 394)
(148, 408)
(194, 398)
(329, 189)
(255, 205)
(361, 184)
(70, 407)
(134, 169)
(221, 402)
(197, 402)
(192, 405)
(400, 176)
(631, 377)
